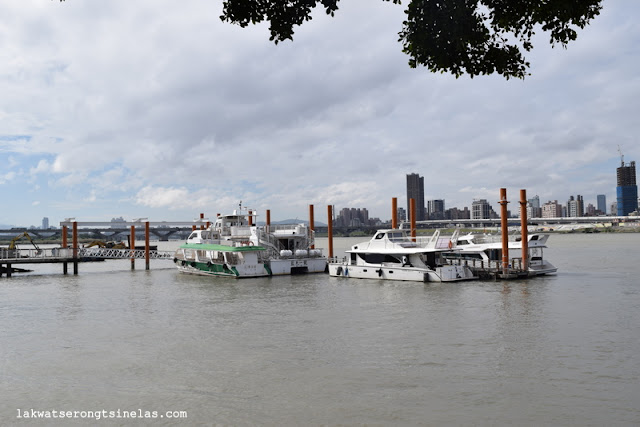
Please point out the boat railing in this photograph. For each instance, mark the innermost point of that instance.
(493, 238)
(515, 264)
(286, 228)
(275, 246)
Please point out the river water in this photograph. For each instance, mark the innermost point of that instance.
(561, 350)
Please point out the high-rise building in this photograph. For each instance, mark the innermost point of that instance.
(402, 214)
(455, 213)
(602, 203)
(45, 223)
(435, 209)
(481, 209)
(415, 190)
(551, 210)
(575, 207)
(533, 208)
(627, 190)
(352, 217)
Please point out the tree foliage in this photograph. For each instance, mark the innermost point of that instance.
(448, 36)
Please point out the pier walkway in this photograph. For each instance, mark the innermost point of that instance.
(10, 257)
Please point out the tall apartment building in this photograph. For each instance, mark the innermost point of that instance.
(352, 217)
(45, 223)
(402, 214)
(602, 203)
(455, 213)
(552, 210)
(415, 190)
(481, 209)
(435, 209)
(533, 207)
(627, 190)
(575, 207)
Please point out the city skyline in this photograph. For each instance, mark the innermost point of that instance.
(362, 213)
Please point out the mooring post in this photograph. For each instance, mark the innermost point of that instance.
(74, 238)
(394, 212)
(268, 219)
(64, 248)
(132, 247)
(330, 229)
(146, 245)
(311, 225)
(505, 231)
(524, 231)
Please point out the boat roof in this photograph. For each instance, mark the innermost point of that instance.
(534, 240)
(222, 248)
(399, 244)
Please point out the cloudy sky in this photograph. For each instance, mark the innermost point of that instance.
(157, 109)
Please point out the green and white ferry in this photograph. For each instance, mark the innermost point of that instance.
(234, 246)
(222, 260)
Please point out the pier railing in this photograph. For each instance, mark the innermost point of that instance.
(52, 254)
(25, 254)
(108, 253)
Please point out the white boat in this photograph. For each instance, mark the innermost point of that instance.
(392, 255)
(222, 260)
(484, 252)
(284, 249)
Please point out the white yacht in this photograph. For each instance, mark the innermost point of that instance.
(484, 252)
(392, 255)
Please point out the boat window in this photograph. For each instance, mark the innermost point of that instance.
(379, 236)
(379, 258)
(494, 254)
(534, 237)
(396, 236)
(462, 255)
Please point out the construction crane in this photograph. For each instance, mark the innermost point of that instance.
(621, 156)
(12, 244)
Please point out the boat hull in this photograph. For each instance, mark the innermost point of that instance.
(540, 269)
(221, 270)
(379, 272)
(280, 267)
(413, 274)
